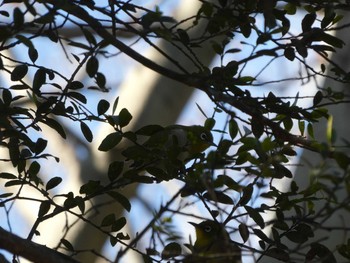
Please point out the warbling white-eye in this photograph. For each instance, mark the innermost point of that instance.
(169, 148)
(213, 245)
(191, 140)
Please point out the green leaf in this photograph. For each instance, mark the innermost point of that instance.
(56, 126)
(218, 196)
(67, 244)
(247, 194)
(34, 168)
(307, 22)
(53, 182)
(209, 123)
(246, 29)
(76, 95)
(44, 208)
(75, 85)
(171, 250)
(330, 133)
(332, 40)
(289, 53)
(40, 146)
(302, 50)
(118, 224)
(108, 220)
(7, 176)
(4, 13)
(233, 50)
(290, 8)
(255, 215)
(317, 98)
(86, 131)
(33, 54)
(233, 129)
(342, 159)
(278, 253)
(344, 249)
(243, 231)
(328, 17)
(158, 173)
(121, 199)
(80, 203)
(310, 130)
(92, 66)
(184, 38)
(288, 123)
(115, 105)
(114, 170)
(296, 237)
(102, 107)
(90, 187)
(7, 96)
(101, 80)
(228, 181)
(18, 18)
(257, 127)
(89, 37)
(319, 251)
(13, 147)
(39, 80)
(5, 195)
(281, 171)
(15, 182)
(259, 233)
(19, 72)
(124, 117)
(110, 141)
(301, 125)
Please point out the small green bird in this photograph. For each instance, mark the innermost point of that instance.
(213, 245)
(191, 140)
(170, 148)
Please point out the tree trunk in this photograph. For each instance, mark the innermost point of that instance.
(151, 99)
(310, 162)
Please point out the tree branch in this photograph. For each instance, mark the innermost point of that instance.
(30, 250)
(191, 80)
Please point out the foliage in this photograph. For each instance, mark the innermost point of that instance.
(258, 142)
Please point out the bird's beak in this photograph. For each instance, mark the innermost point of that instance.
(193, 224)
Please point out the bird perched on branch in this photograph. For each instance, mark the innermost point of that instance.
(168, 149)
(213, 245)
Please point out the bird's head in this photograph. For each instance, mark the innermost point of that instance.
(199, 139)
(207, 232)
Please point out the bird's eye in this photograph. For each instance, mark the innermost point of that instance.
(207, 229)
(203, 136)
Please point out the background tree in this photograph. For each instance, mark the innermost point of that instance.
(231, 182)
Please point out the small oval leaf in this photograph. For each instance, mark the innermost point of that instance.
(171, 250)
(19, 72)
(121, 199)
(255, 215)
(110, 141)
(53, 182)
(86, 131)
(44, 208)
(102, 107)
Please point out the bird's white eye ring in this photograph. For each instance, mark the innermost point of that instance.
(207, 229)
(204, 136)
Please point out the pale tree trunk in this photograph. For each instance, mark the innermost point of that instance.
(151, 99)
(309, 164)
